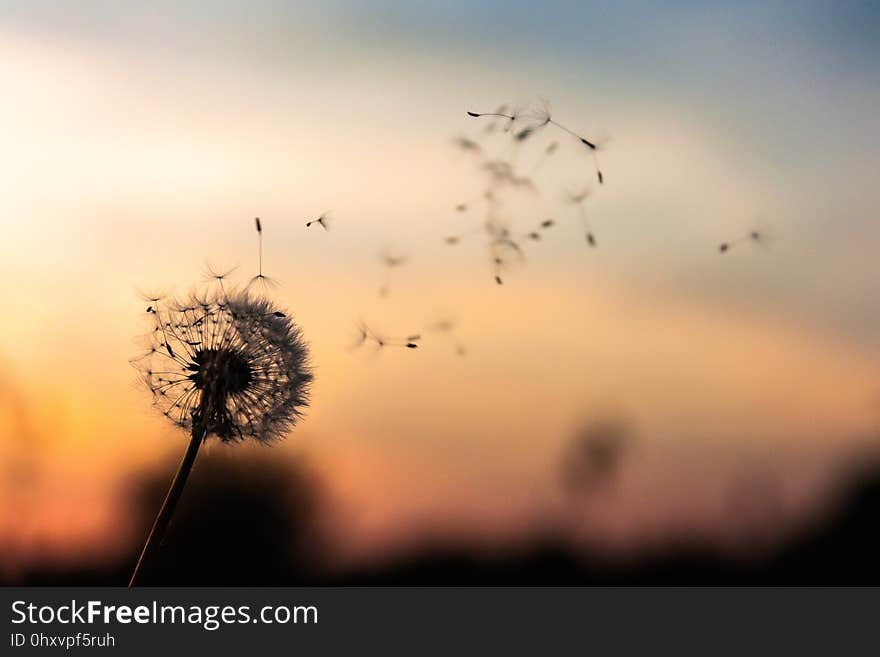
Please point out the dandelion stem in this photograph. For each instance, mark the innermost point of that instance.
(157, 533)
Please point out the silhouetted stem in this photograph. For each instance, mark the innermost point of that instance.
(162, 521)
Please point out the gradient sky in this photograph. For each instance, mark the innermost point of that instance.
(138, 140)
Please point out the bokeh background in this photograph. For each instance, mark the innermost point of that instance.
(612, 402)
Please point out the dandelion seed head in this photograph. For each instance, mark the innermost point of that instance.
(232, 365)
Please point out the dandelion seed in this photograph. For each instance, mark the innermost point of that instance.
(523, 134)
(510, 117)
(756, 236)
(498, 279)
(447, 327)
(502, 173)
(536, 235)
(542, 115)
(501, 113)
(264, 281)
(390, 261)
(323, 220)
(548, 152)
(577, 198)
(238, 370)
(467, 145)
(461, 207)
(452, 240)
(218, 275)
(366, 334)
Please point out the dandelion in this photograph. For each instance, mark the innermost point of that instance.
(233, 367)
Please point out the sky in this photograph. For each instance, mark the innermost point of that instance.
(139, 140)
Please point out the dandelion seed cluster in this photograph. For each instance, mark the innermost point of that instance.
(232, 366)
(502, 177)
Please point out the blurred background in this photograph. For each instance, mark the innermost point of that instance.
(645, 410)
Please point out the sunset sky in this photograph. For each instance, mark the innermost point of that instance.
(138, 140)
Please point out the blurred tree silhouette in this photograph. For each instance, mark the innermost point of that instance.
(241, 521)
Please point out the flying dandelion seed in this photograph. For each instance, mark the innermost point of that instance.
(447, 328)
(536, 235)
(577, 198)
(541, 115)
(263, 281)
(453, 240)
(501, 113)
(323, 220)
(504, 252)
(551, 148)
(231, 366)
(467, 145)
(502, 173)
(524, 134)
(757, 236)
(367, 335)
(504, 245)
(390, 261)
